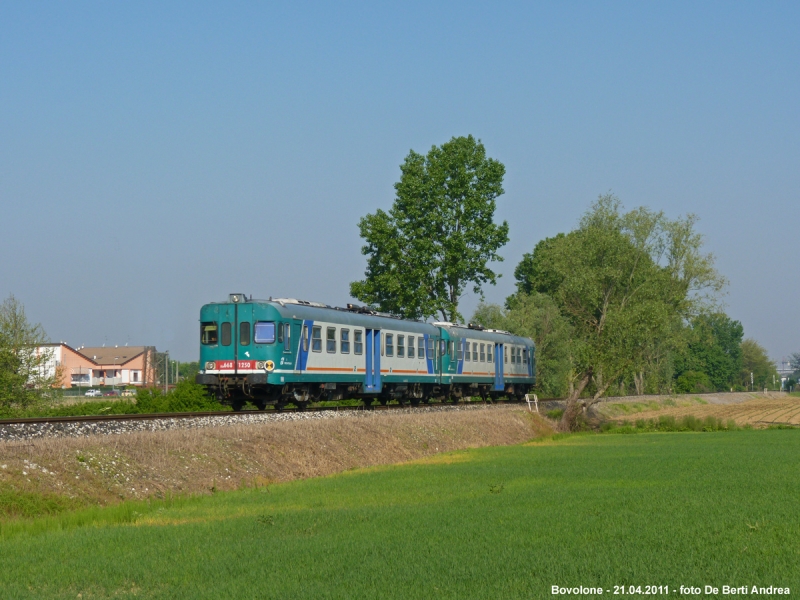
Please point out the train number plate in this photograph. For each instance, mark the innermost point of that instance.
(227, 365)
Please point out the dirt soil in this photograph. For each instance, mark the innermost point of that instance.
(107, 469)
(757, 409)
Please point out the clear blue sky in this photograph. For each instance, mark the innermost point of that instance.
(157, 156)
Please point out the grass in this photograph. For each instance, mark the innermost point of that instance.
(655, 508)
(670, 423)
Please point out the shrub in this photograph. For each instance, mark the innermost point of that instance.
(555, 414)
(694, 382)
(187, 396)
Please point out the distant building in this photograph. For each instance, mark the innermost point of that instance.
(90, 366)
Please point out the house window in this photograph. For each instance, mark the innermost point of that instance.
(330, 340)
(401, 346)
(208, 333)
(358, 344)
(345, 343)
(411, 346)
(420, 347)
(287, 337)
(316, 338)
(389, 344)
(226, 334)
(489, 352)
(244, 333)
(474, 351)
(264, 332)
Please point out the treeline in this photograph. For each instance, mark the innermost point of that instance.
(627, 304)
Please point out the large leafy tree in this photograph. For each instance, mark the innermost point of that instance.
(23, 372)
(439, 236)
(622, 280)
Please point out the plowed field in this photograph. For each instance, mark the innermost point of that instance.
(759, 412)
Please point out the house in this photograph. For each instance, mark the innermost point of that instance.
(105, 365)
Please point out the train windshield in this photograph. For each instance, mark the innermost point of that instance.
(265, 332)
(208, 333)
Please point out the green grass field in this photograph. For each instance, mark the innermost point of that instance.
(594, 510)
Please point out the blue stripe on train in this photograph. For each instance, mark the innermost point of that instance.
(302, 355)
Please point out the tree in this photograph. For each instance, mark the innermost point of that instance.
(621, 280)
(438, 237)
(715, 348)
(756, 361)
(794, 362)
(23, 364)
(536, 316)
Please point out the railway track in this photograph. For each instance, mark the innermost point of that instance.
(226, 413)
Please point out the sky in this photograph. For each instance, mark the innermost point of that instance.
(156, 156)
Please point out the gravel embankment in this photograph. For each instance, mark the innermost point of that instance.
(28, 431)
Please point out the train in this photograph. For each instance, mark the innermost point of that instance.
(287, 351)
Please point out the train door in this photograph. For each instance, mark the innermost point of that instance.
(221, 330)
(243, 337)
(499, 359)
(372, 354)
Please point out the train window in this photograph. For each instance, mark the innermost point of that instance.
(264, 333)
(304, 337)
(452, 348)
(280, 333)
(467, 355)
(389, 344)
(287, 337)
(442, 347)
(474, 351)
(460, 346)
(244, 333)
(524, 356)
(345, 343)
(316, 338)
(489, 352)
(330, 340)
(358, 344)
(401, 346)
(208, 333)
(429, 355)
(226, 333)
(411, 346)
(483, 352)
(420, 347)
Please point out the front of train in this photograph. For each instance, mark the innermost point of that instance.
(240, 346)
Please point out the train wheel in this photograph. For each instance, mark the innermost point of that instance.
(237, 405)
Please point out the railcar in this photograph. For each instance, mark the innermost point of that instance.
(283, 350)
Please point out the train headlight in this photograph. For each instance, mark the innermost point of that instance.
(210, 366)
(269, 365)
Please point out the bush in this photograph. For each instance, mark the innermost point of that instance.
(694, 382)
(186, 397)
(555, 414)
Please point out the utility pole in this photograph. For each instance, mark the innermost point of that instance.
(166, 370)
